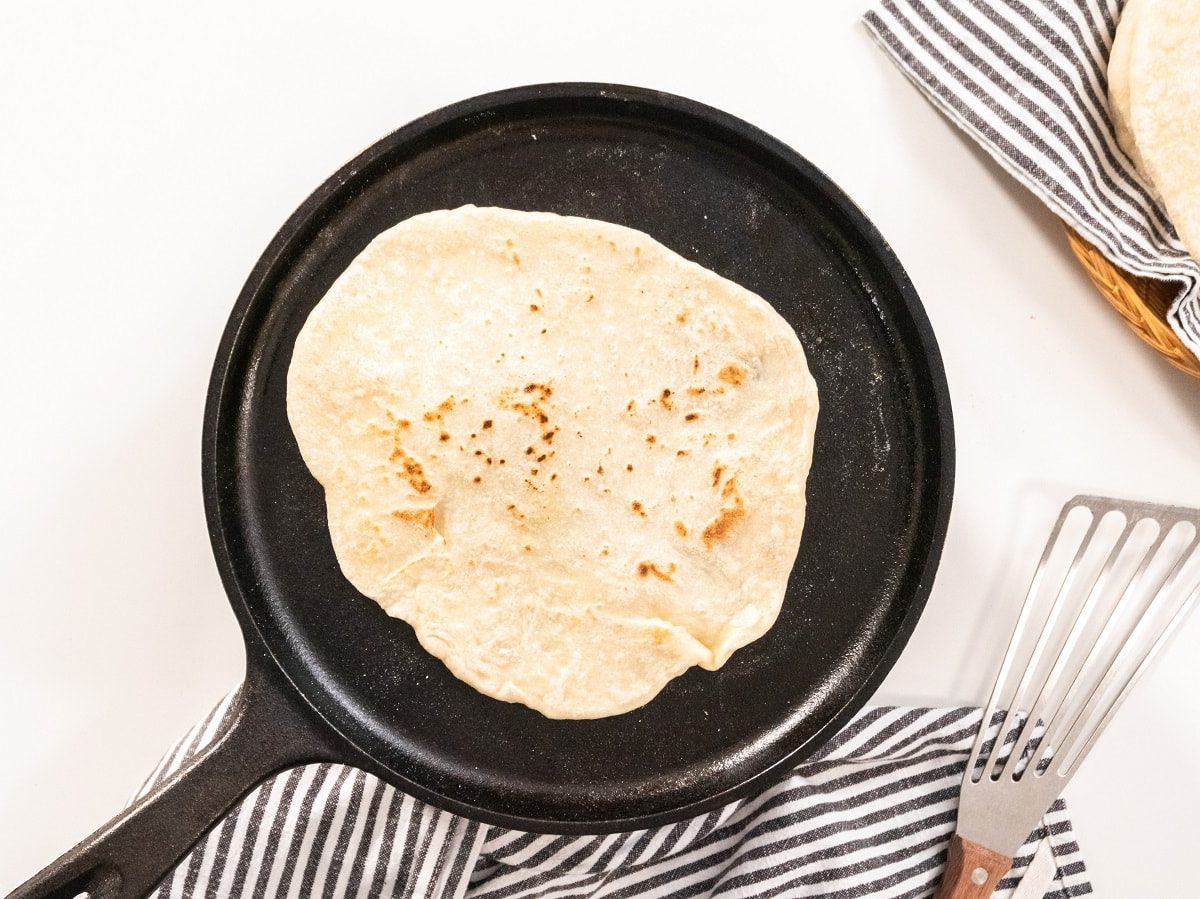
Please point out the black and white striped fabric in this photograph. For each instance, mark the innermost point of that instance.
(1027, 79)
(869, 815)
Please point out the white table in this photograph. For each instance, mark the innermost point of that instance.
(148, 158)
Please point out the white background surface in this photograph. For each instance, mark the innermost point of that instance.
(150, 152)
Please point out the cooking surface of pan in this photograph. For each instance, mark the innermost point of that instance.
(734, 200)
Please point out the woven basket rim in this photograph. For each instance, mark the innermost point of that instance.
(1141, 302)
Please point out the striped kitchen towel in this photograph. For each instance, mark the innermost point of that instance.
(1027, 79)
(868, 815)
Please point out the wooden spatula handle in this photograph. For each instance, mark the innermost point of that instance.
(972, 871)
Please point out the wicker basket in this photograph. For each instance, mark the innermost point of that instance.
(1142, 302)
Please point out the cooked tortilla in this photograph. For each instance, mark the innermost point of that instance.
(1118, 81)
(1163, 108)
(571, 459)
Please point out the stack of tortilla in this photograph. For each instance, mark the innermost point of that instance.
(1154, 95)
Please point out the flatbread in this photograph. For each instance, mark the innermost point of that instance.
(1118, 80)
(1164, 108)
(571, 459)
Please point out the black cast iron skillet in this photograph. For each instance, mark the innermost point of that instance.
(331, 677)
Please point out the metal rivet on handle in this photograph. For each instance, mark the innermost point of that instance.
(979, 876)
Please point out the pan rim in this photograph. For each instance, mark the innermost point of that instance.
(226, 384)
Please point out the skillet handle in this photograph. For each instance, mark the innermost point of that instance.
(271, 731)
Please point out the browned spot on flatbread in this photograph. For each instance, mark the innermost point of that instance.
(538, 393)
(665, 399)
(637, 507)
(421, 517)
(732, 374)
(691, 416)
(444, 406)
(410, 470)
(718, 470)
(728, 517)
(681, 529)
(645, 569)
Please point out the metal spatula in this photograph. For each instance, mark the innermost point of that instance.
(1116, 580)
